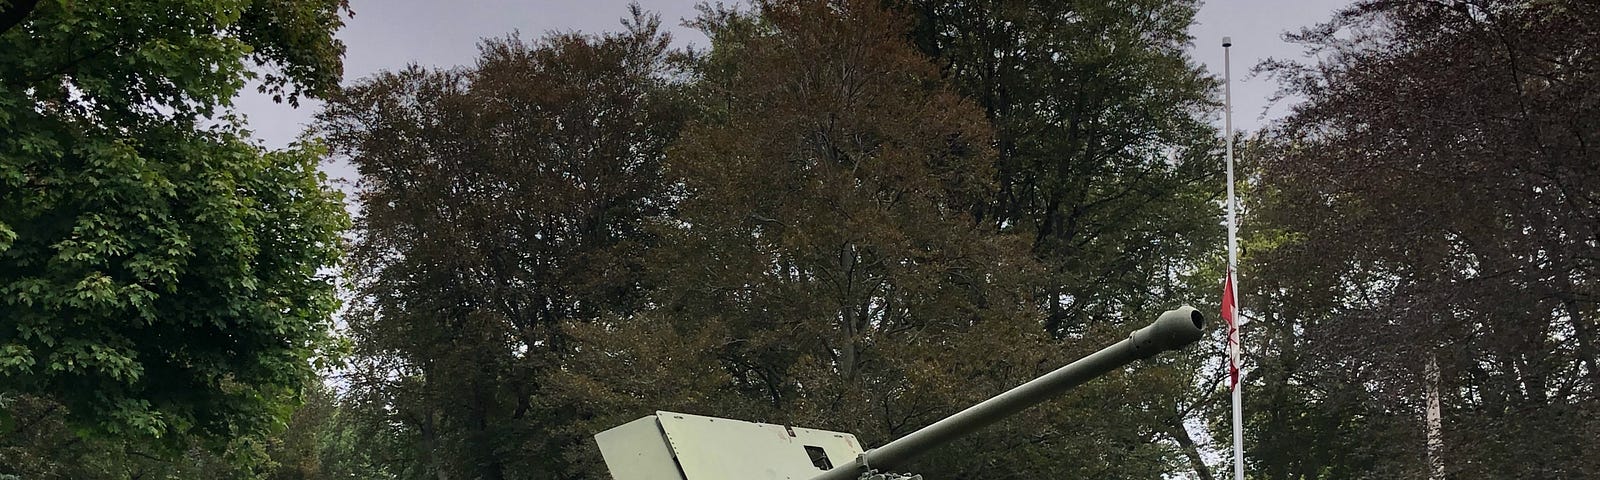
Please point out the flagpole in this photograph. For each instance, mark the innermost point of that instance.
(1233, 263)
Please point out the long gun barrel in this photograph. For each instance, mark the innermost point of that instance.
(1171, 331)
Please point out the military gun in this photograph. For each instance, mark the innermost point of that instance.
(677, 446)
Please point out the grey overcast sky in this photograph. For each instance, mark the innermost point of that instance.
(389, 34)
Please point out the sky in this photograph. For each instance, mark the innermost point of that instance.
(390, 34)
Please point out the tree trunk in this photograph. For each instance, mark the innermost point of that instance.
(848, 260)
(427, 428)
(1176, 430)
(1435, 422)
(1588, 352)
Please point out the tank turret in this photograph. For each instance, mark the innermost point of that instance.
(675, 446)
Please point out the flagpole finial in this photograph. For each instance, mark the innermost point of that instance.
(1227, 42)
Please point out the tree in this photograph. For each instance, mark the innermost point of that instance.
(1105, 159)
(543, 255)
(322, 440)
(159, 275)
(1434, 199)
(824, 266)
(499, 203)
(327, 438)
(1104, 156)
(1307, 415)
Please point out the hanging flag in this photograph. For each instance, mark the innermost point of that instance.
(1233, 331)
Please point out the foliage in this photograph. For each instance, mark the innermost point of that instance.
(498, 203)
(159, 275)
(829, 263)
(46, 446)
(1436, 188)
(1105, 160)
(820, 260)
(166, 292)
(321, 441)
(1104, 156)
(326, 438)
(120, 63)
(820, 246)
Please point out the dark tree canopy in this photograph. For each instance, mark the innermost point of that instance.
(1105, 159)
(499, 202)
(1104, 156)
(829, 263)
(803, 223)
(1433, 199)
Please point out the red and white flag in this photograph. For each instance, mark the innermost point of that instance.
(1229, 316)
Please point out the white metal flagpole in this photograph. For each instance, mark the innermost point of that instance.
(1234, 344)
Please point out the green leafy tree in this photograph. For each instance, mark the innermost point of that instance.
(159, 274)
(322, 440)
(499, 202)
(1434, 197)
(328, 438)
